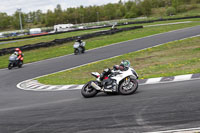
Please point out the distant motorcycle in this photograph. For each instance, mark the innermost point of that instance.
(79, 48)
(121, 82)
(14, 62)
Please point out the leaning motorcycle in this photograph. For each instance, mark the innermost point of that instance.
(121, 82)
(79, 48)
(14, 62)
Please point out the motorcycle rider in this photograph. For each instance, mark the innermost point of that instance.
(104, 76)
(124, 65)
(80, 42)
(19, 54)
(79, 39)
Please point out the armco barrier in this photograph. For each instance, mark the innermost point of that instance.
(119, 24)
(65, 40)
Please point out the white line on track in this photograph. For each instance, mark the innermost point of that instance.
(183, 77)
(153, 80)
(166, 82)
(168, 24)
(189, 130)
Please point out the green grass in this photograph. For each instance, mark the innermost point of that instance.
(174, 58)
(55, 51)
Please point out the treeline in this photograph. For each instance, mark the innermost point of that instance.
(128, 9)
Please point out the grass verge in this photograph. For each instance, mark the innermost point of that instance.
(55, 51)
(170, 59)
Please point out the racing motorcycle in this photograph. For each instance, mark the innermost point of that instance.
(14, 62)
(79, 48)
(120, 82)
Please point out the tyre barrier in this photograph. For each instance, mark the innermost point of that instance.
(99, 27)
(10, 50)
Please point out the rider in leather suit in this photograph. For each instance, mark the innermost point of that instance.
(104, 77)
(80, 42)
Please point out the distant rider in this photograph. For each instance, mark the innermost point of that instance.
(19, 53)
(80, 42)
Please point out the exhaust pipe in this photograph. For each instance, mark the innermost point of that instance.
(95, 86)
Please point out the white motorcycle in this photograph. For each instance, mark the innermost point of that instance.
(14, 62)
(79, 48)
(121, 82)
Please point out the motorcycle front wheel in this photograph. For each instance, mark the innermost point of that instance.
(88, 91)
(10, 66)
(130, 88)
(76, 51)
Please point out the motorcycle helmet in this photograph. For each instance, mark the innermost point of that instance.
(116, 67)
(125, 64)
(15, 53)
(78, 38)
(17, 49)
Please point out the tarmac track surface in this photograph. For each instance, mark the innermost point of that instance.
(154, 107)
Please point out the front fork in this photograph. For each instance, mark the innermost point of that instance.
(127, 81)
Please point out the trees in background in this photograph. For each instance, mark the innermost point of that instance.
(128, 9)
(5, 21)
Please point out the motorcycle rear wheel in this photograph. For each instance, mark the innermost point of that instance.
(20, 64)
(88, 91)
(124, 91)
(83, 50)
